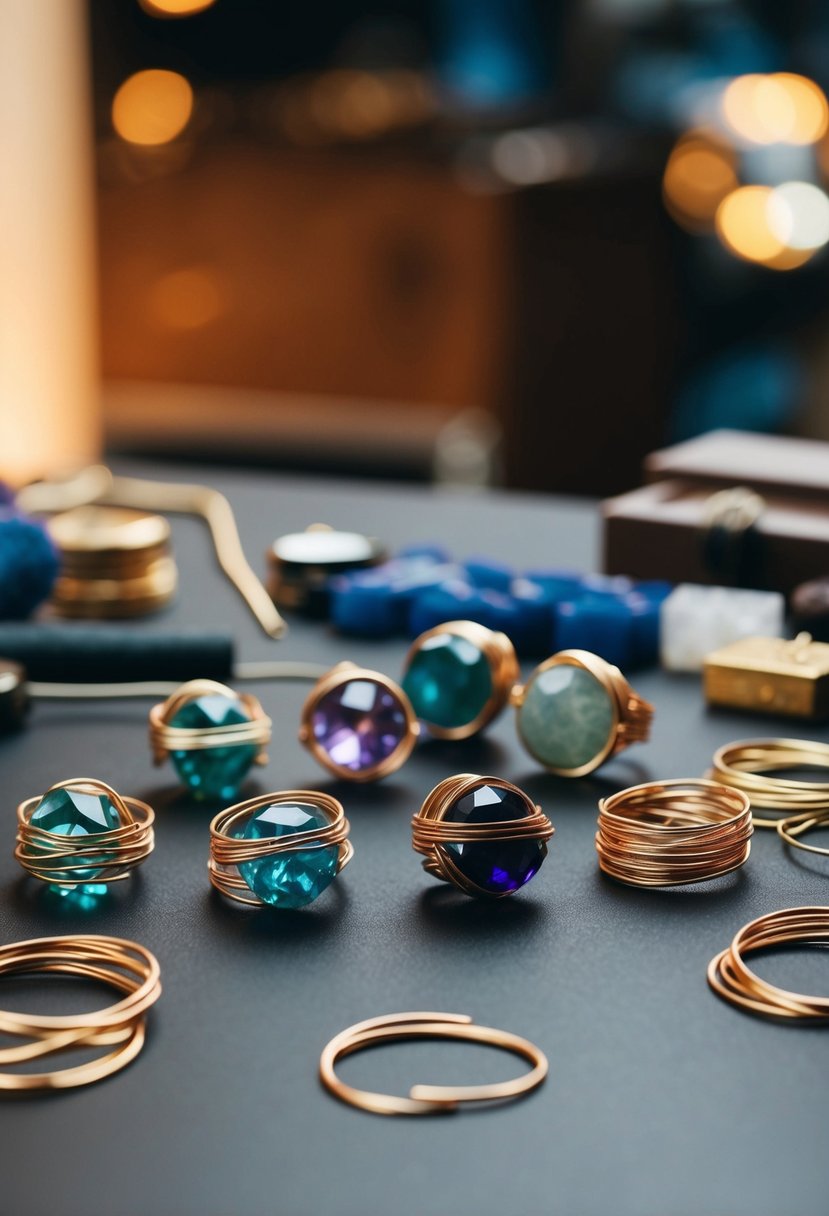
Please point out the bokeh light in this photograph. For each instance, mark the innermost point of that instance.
(778, 108)
(186, 299)
(698, 176)
(175, 8)
(745, 225)
(799, 215)
(152, 107)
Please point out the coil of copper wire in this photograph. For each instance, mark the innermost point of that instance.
(750, 765)
(734, 981)
(670, 833)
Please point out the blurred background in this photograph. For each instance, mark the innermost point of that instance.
(518, 242)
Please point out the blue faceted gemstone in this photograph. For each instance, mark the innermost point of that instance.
(497, 867)
(66, 812)
(288, 880)
(213, 772)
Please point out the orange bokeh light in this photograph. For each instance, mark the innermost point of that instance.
(152, 107)
(744, 226)
(175, 8)
(778, 108)
(698, 176)
(185, 299)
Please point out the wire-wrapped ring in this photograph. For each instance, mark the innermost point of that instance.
(746, 765)
(165, 738)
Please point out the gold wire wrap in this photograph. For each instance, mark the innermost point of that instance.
(228, 851)
(430, 831)
(745, 765)
(123, 965)
(731, 979)
(669, 833)
(428, 1099)
(798, 825)
(165, 738)
(55, 858)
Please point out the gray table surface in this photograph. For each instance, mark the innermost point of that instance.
(660, 1100)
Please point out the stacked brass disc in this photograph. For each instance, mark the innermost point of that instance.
(749, 766)
(115, 562)
(123, 965)
(734, 981)
(670, 833)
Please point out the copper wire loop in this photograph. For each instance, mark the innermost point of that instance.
(165, 738)
(669, 833)
(428, 1099)
(228, 851)
(430, 831)
(123, 965)
(734, 981)
(55, 858)
(746, 766)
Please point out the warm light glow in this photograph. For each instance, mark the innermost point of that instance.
(779, 108)
(186, 299)
(745, 226)
(698, 176)
(152, 107)
(799, 215)
(175, 8)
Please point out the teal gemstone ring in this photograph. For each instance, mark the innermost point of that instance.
(576, 710)
(281, 849)
(213, 736)
(83, 834)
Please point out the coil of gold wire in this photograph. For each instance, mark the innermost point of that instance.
(235, 866)
(669, 833)
(747, 765)
(734, 981)
(123, 965)
(81, 854)
(790, 830)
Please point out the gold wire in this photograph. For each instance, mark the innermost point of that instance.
(123, 965)
(228, 851)
(734, 981)
(165, 738)
(745, 765)
(431, 832)
(427, 1099)
(669, 833)
(789, 830)
(55, 858)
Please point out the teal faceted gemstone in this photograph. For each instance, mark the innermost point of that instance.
(74, 813)
(448, 681)
(288, 880)
(213, 772)
(566, 718)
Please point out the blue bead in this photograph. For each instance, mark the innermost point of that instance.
(495, 576)
(603, 625)
(213, 772)
(74, 813)
(377, 603)
(291, 879)
(29, 565)
(535, 610)
(645, 617)
(559, 585)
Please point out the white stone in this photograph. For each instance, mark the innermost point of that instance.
(695, 620)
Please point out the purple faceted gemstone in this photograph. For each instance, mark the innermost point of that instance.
(496, 866)
(359, 724)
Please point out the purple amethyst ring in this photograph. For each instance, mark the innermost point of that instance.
(482, 834)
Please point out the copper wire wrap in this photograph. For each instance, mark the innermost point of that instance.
(734, 981)
(431, 832)
(789, 830)
(122, 965)
(228, 851)
(669, 833)
(746, 766)
(55, 858)
(165, 738)
(428, 1099)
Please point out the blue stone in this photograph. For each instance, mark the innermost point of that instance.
(288, 880)
(213, 772)
(73, 813)
(498, 867)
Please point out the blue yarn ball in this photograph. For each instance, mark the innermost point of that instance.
(29, 565)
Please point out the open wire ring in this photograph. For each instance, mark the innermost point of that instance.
(123, 965)
(165, 738)
(746, 766)
(427, 1099)
(228, 850)
(100, 857)
(734, 981)
(789, 830)
(669, 833)
(432, 832)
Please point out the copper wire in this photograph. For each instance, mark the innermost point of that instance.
(166, 738)
(57, 858)
(428, 1099)
(123, 965)
(746, 766)
(669, 833)
(431, 832)
(734, 981)
(228, 851)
